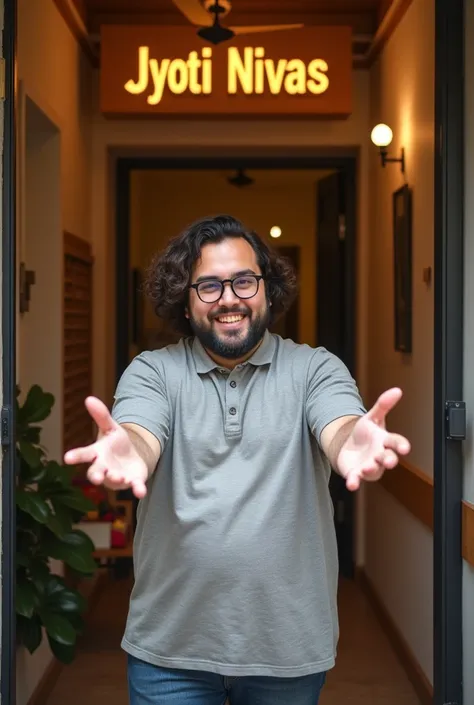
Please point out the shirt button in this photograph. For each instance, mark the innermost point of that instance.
(233, 383)
(232, 410)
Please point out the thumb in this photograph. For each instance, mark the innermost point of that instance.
(384, 404)
(101, 415)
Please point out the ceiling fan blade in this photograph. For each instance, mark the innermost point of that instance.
(253, 29)
(194, 12)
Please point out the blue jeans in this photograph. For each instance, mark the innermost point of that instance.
(152, 685)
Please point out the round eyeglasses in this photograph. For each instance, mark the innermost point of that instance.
(211, 290)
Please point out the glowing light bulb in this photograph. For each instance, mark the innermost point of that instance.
(381, 135)
(275, 231)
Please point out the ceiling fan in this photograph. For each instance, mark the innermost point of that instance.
(207, 15)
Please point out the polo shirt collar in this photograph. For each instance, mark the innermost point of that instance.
(262, 356)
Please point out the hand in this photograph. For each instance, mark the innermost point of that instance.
(114, 459)
(370, 449)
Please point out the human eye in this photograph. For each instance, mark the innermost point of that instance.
(209, 287)
(244, 282)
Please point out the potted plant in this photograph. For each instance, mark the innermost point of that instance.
(48, 505)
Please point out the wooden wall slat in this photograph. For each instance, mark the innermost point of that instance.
(77, 341)
(468, 532)
(414, 490)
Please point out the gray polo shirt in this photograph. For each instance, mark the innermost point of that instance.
(235, 554)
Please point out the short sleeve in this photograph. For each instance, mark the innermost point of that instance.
(331, 392)
(141, 397)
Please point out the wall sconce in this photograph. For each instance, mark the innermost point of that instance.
(382, 136)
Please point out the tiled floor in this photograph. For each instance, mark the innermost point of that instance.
(367, 672)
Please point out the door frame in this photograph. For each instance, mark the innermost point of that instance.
(124, 167)
(448, 349)
(8, 623)
(346, 165)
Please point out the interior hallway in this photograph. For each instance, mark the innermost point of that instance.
(367, 672)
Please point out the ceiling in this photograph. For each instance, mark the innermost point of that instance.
(364, 16)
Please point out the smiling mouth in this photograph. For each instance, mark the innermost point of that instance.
(230, 318)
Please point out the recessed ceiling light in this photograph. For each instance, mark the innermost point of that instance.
(275, 231)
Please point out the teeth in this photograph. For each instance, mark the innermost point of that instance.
(230, 319)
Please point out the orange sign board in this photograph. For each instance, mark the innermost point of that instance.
(151, 71)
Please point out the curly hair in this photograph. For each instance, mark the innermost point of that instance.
(169, 275)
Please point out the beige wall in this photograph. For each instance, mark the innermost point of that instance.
(284, 198)
(54, 171)
(399, 549)
(468, 577)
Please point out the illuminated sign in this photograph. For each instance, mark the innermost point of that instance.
(156, 71)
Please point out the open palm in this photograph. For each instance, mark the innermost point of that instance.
(371, 449)
(113, 458)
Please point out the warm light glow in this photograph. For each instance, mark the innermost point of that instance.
(275, 231)
(381, 135)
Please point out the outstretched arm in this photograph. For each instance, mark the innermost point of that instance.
(360, 448)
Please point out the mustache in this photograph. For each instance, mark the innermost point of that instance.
(225, 311)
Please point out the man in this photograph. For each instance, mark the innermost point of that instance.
(228, 438)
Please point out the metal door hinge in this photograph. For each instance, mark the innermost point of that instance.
(2, 78)
(455, 417)
(6, 421)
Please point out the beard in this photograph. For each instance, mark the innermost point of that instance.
(233, 344)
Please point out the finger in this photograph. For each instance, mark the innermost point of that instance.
(96, 473)
(87, 454)
(390, 460)
(398, 443)
(353, 481)
(386, 458)
(116, 477)
(384, 404)
(138, 488)
(101, 415)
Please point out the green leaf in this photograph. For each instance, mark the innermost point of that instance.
(63, 515)
(82, 539)
(39, 572)
(34, 505)
(74, 499)
(26, 598)
(29, 632)
(22, 559)
(29, 475)
(37, 406)
(74, 549)
(32, 434)
(58, 628)
(77, 621)
(63, 653)
(31, 454)
(60, 523)
(59, 598)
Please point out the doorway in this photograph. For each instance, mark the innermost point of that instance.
(448, 364)
(327, 269)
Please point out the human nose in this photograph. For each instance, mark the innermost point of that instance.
(228, 296)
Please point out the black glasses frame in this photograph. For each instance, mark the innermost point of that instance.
(223, 282)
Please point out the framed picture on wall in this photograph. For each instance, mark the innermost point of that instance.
(402, 263)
